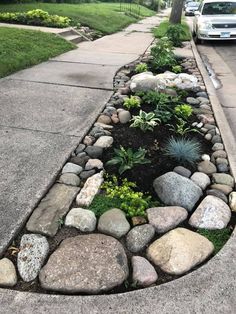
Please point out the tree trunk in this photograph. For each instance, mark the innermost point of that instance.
(176, 12)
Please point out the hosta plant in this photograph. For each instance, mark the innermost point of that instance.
(126, 159)
(145, 121)
(132, 102)
(141, 67)
(181, 127)
(183, 111)
(183, 150)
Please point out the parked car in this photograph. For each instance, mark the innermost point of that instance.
(215, 20)
(191, 7)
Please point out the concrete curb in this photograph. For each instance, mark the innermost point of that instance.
(210, 289)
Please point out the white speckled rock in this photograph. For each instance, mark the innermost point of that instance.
(89, 190)
(201, 179)
(8, 277)
(34, 249)
(166, 218)
(104, 141)
(82, 219)
(179, 250)
(71, 168)
(139, 237)
(212, 213)
(144, 273)
(232, 201)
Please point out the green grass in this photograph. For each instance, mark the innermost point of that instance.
(20, 49)
(217, 237)
(160, 31)
(103, 17)
(102, 203)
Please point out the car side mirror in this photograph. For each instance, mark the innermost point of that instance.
(197, 13)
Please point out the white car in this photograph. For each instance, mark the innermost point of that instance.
(215, 20)
(191, 7)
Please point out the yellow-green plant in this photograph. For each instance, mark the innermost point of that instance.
(141, 67)
(132, 102)
(183, 111)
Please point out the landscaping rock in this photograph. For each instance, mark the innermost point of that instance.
(222, 168)
(124, 116)
(138, 220)
(202, 94)
(88, 140)
(71, 168)
(218, 194)
(113, 222)
(143, 82)
(70, 179)
(232, 201)
(85, 264)
(94, 163)
(80, 159)
(94, 151)
(105, 119)
(220, 160)
(208, 137)
(144, 273)
(98, 131)
(164, 219)
(206, 167)
(84, 175)
(115, 118)
(34, 249)
(104, 141)
(179, 250)
(109, 110)
(217, 146)
(82, 219)
(203, 100)
(80, 149)
(216, 139)
(89, 190)
(223, 178)
(206, 118)
(51, 209)
(212, 213)
(226, 189)
(174, 189)
(205, 157)
(182, 171)
(139, 237)
(192, 101)
(201, 179)
(8, 277)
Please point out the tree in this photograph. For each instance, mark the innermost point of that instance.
(176, 12)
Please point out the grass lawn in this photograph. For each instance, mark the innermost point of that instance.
(20, 49)
(160, 31)
(103, 17)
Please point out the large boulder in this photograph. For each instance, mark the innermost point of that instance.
(86, 264)
(174, 189)
(143, 82)
(179, 250)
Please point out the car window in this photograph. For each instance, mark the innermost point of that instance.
(192, 4)
(215, 8)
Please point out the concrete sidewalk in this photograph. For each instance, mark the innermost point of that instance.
(47, 109)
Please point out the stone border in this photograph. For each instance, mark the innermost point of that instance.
(210, 289)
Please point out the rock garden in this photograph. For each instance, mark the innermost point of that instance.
(145, 198)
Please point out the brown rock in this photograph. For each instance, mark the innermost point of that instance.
(104, 119)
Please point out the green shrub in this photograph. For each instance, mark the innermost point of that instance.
(163, 115)
(184, 151)
(177, 69)
(133, 203)
(162, 54)
(174, 33)
(145, 121)
(183, 111)
(132, 102)
(102, 203)
(217, 237)
(181, 127)
(141, 67)
(127, 159)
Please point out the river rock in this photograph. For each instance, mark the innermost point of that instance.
(89, 190)
(94, 151)
(84, 175)
(144, 273)
(212, 213)
(80, 149)
(80, 159)
(232, 201)
(82, 219)
(206, 167)
(71, 168)
(34, 249)
(226, 189)
(139, 237)
(223, 178)
(218, 194)
(201, 179)
(94, 163)
(105, 119)
(164, 219)
(113, 222)
(182, 171)
(124, 116)
(85, 264)
(143, 82)
(192, 101)
(8, 277)
(174, 189)
(70, 179)
(179, 250)
(217, 146)
(104, 141)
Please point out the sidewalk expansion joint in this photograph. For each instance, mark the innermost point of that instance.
(79, 62)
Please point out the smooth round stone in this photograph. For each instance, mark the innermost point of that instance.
(179, 250)
(209, 126)
(34, 249)
(109, 111)
(222, 168)
(115, 119)
(212, 214)
(206, 118)
(80, 149)
(82, 219)
(221, 161)
(199, 125)
(206, 157)
(203, 100)
(104, 141)
(80, 160)
(217, 146)
(113, 222)
(232, 201)
(86, 174)
(139, 237)
(201, 179)
(124, 116)
(105, 119)
(226, 189)
(71, 168)
(182, 171)
(166, 218)
(192, 101)
(202, 94)
(8, 277)
(219, 154)
(212, 132)
(217, 193)
(144, 273)
(203, 130)
(216, 139)
(91, 264)
(89, 140)
(208, 137)
(104, 126)
(94, 151)
(206, 107)
(206, 167)
(70, 179)
(223, 178)
(194, 124)
(94, 163)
